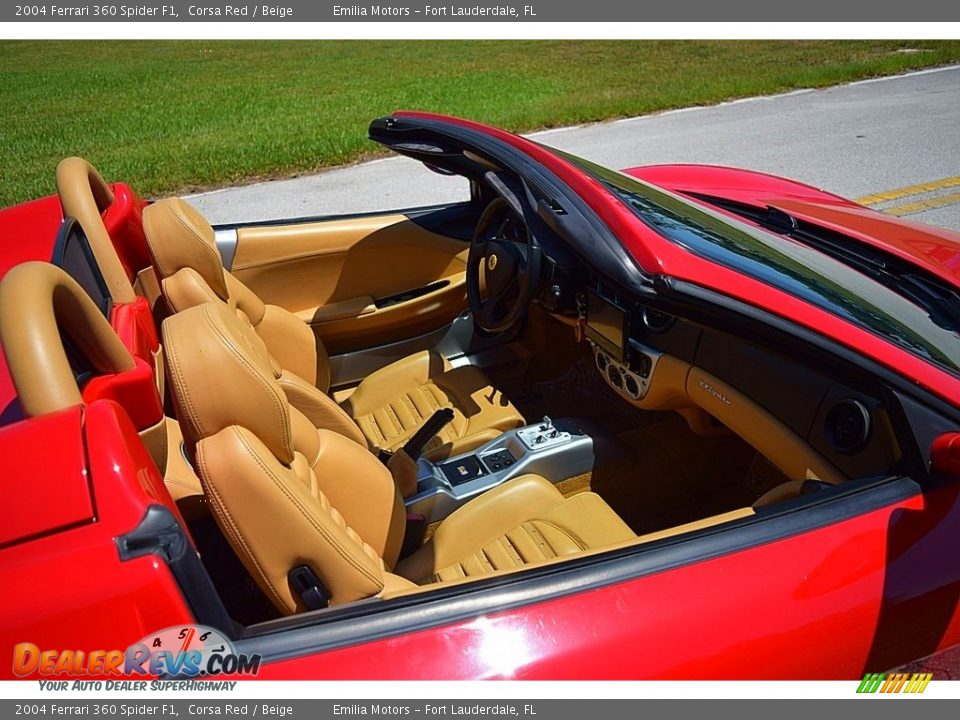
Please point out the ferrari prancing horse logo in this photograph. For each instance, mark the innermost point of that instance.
(491, 262)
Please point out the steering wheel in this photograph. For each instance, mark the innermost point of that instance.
(504, 260)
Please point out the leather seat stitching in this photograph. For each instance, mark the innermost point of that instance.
(210, 251)
(234, 528)
(380, 423)
(181, 483)
(406, 400)
(306, 514)
(539, 540)
(457, 568)
(391, 412)
(454, 430)
(323, 404)
(562, 530)
(380, 438)
(485, 561)
(256, 374)
(153, 253)
(512, 551)
(185, 391)
(439, 397)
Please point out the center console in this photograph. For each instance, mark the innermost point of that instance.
(555, 451)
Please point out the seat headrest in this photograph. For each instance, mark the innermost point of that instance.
(179, 237)
(221, 375)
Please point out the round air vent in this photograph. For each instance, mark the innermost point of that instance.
(614, 376)
(847, 426)
(656, 322)
(602, 362)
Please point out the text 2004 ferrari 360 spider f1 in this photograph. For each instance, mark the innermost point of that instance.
(330, 439)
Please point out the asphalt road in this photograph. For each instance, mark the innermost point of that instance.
(893, 143)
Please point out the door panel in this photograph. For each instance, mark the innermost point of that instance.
(336, 274)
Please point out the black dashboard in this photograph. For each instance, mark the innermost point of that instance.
(845, 422)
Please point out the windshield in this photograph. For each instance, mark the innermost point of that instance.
(787, 265)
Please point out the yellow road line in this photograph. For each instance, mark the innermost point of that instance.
(909, 190)
(920, 206)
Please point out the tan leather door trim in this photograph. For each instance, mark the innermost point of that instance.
(329, 273)
(267, 244)
(338, 311)
(305, 266)
(378, 326)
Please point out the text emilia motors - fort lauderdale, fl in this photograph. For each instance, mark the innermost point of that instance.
(434, 11)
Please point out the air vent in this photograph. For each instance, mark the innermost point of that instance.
(656, 322)
(847, 426)
(608, 293)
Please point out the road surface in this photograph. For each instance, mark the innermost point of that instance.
(893, 143)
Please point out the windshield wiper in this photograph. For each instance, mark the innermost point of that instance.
(936, 297)
(942, 303)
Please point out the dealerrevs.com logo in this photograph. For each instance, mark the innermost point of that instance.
(188, 651)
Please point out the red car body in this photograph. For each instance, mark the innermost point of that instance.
(859, 590)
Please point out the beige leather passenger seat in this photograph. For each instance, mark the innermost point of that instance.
(385, 409)
(287, 494)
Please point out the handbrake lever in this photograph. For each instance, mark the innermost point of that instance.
(434, 424)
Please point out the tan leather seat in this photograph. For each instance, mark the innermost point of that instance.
(287, 494)
(388, 406)
(790, 490)
(522, 522)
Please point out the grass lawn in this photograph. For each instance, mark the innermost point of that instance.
(172, 116)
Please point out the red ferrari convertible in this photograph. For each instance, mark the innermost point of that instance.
(672, 422)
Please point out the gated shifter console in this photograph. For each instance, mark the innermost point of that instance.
(542, 436)
(553, 451)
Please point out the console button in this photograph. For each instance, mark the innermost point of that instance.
(630, 385)
(499, 460)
